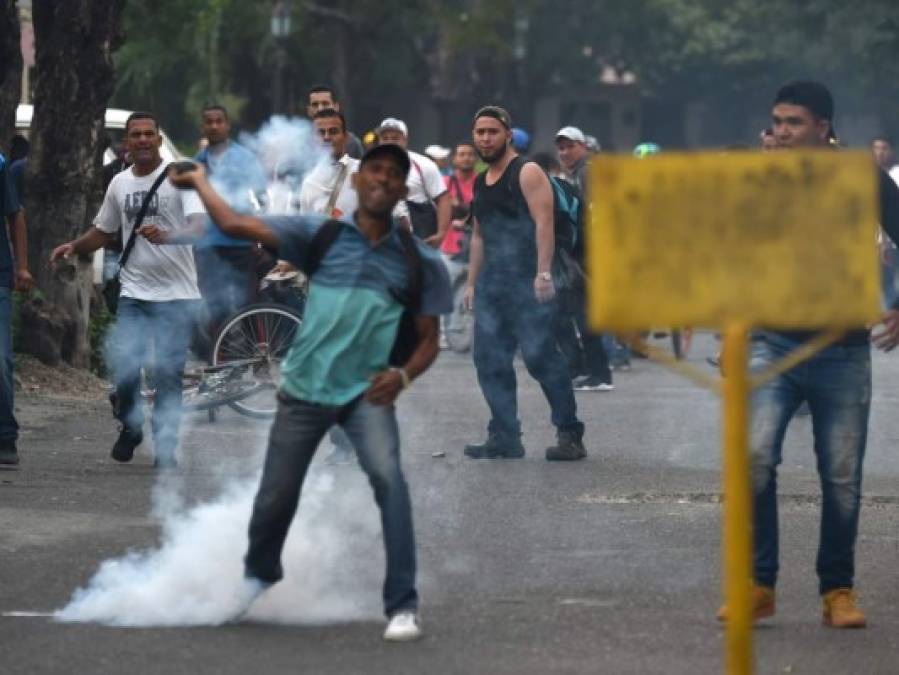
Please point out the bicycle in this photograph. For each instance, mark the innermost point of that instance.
(255, 340)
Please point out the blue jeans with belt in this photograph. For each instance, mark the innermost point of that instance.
(836, 384)
(9, 428)
(294, 437)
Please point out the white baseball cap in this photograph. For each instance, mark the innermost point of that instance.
(393, 123)
(572, 134)
(437, 152)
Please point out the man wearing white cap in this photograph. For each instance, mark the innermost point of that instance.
(571, 145)
(428, 207)
(441, 156)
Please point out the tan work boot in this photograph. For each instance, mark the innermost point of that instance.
(840, 610)
(763, 604)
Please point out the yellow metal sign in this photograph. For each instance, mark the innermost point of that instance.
(781, 240)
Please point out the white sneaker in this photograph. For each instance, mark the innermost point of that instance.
(403, 627)
(244, 597)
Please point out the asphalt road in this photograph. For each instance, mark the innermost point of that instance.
(610, 565)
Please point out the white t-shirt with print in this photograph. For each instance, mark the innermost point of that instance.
(156, 273)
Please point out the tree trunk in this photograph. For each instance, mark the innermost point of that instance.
(10, 70)
(74, 42)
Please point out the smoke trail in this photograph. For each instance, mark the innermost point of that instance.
(332, 559)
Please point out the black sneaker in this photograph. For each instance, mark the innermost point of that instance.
(496, 447)
(129, 439)
(568, 448)
(9, 455)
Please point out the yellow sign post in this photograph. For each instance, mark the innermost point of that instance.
(735, 242)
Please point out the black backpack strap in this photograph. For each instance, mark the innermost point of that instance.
(126, 252)
(411, 298)
(318, 247)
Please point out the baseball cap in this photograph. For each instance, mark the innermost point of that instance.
(572, 134)
(389, 150)
(497, 113)
(393, 123)
(437, 152)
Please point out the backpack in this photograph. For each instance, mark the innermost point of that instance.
(409, 297)
(568, 213)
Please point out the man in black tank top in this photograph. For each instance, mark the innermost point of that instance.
(510, 288)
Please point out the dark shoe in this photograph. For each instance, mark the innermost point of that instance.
(129, 439)
(496, 447)
(9, 456)
(568, 448)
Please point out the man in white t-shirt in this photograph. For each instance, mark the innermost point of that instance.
(428, 206)
(159, 292)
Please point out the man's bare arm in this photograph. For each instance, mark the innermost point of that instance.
(387, 385)
(538, 194)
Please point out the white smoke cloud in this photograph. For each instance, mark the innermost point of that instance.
(333, 562)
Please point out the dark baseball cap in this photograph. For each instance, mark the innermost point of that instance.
(497, 113)
(388, 150)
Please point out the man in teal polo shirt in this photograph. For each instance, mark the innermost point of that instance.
(338, 371)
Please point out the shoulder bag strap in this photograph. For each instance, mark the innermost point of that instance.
(318, 247)
(126, 252)
(424, 183)
(335, 191)
(413, 260)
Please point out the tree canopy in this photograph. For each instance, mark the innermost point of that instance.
(730, 56)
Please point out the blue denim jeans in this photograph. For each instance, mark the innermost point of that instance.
(294, 437)
(9, 428)
(154, 335)
(836, 384)
(508, 317)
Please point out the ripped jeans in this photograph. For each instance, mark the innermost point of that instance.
(836, 383)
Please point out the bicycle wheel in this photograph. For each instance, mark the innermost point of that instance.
(197, 398)
(459, 325)
(263, 334)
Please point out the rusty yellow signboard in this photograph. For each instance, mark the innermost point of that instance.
(782, 240)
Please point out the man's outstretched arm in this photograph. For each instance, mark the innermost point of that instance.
(231, 223)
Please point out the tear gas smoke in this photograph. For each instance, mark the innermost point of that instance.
(331, 557)
(333, 563)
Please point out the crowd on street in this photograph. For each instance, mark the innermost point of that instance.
(397, 248)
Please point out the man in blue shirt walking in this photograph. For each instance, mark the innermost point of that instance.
(226, 265)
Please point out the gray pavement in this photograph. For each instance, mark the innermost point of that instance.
(610, 565)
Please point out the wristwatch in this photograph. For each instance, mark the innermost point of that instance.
(546, 276)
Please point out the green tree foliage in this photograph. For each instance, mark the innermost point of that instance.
(730, 55)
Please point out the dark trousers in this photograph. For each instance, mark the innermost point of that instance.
(160, 329)
(295, 435)
(9, 427)
(508, 317)
(226, 278)
(584, 350)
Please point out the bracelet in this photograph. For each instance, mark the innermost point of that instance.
(404, 376)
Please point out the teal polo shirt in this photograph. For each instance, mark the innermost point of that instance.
(351, 319)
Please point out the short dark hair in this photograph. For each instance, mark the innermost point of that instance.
(141, 115)
(466, 143)
(811, 95)
(330, 112)
(321, 89)
(210, 107)
(882, 139)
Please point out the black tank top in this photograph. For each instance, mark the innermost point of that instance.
(507, 229)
